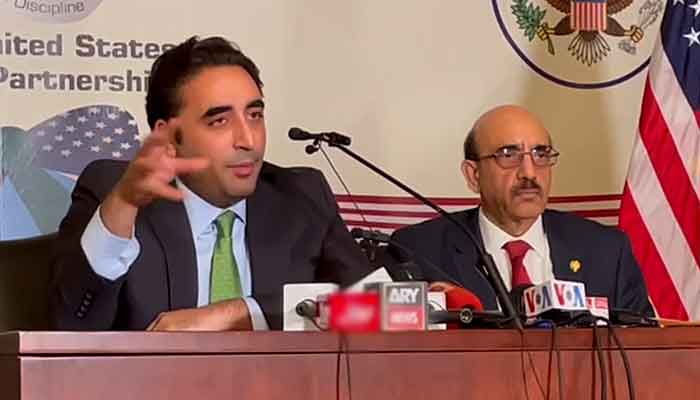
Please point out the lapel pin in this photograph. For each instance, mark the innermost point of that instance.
(575, 265)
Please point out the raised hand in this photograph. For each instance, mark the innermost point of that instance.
(148, 177)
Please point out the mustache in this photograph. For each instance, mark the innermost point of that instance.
(527, 184)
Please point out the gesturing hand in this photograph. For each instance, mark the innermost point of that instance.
(148, 177)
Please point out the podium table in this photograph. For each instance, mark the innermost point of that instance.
(478, 364)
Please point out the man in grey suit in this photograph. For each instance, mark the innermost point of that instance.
(197, 232)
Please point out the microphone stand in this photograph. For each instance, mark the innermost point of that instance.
(486, 263)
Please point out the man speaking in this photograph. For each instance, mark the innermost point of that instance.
(508, 161)
(197, 232)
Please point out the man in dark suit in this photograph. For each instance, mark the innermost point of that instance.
(508, 161)
(197, 232)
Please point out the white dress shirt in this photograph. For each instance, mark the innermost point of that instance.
(537, 260)
(111, 256)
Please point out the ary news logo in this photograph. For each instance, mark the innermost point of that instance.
(404, 306)
(51, 11)
(584, 44)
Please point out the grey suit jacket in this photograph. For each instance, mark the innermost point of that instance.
(293, 230)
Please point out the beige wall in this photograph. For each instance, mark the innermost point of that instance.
(404, 79)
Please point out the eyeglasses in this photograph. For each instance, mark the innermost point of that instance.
(512, 156)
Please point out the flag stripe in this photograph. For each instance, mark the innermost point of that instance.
(462, 201)
(661, 288)
(387, 213)
(677, 113)
(672, 175)
(665, 235)
(428, 214)
(661, 206)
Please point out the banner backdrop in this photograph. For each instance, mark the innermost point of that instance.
(405, 79)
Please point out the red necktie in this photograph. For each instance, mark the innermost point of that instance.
(516, 251)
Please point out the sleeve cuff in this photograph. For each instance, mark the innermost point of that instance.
(110, 256)
(257, 318)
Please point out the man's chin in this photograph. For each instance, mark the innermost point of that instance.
(242, 188)
(529, 210)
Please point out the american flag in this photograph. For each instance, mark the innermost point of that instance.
(660, 208)
(388, 213)
(40, 165)
(69, 141)
(589, 15)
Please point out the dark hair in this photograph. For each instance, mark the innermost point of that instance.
(178, 65)
(470, 150)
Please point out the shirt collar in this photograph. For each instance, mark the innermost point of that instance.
(202, 213)
(495, 237)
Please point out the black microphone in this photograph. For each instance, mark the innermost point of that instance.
(307, 308)
(516, 296)
(332, 138)
(466, 316)
(381, 237)
(486, 262)
(369, 234)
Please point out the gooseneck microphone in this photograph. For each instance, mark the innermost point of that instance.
(381, 237)
(486, 263)
(332, 138)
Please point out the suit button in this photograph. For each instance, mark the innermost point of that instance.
(83, 309)
(86, 303)
(88, 295)
(80, 315)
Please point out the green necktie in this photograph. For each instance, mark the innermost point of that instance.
(225, 282)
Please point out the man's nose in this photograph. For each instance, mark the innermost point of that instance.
(526, 170)
(242, 135)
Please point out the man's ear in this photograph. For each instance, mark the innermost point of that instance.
(470, 171)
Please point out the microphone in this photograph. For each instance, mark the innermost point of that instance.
(300, 307)
(464, 308)
(517, 297)
(307, 308)
(381, 237)
(332, 138)
(457, 298)
(556, 300)
(367, 234)
(486, 262)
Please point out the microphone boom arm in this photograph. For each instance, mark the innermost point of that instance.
(486, 261)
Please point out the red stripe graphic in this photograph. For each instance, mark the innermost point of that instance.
(463, 201)
(428, 214)
(670, 170)
(659, 283)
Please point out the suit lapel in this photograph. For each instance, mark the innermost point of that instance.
(561, 252)
(464, 258)
(172, 228)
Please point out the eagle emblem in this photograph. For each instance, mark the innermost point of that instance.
(590, 21)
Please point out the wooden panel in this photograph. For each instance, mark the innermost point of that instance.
(510, 375)
(178, 377)
(315, 342)
(9, 378)
(167, 342)
(534, 339)
(407, 365)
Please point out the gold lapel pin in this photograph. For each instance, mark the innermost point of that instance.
(575, 265)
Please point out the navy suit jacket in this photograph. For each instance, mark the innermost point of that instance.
(608, 267)
(293, 230)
